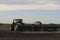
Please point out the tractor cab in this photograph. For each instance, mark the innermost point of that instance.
(16, 23)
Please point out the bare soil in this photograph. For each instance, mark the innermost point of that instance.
(28, 36)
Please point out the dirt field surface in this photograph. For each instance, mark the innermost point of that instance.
(29, 36)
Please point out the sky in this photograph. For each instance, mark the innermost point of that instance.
(46, 11)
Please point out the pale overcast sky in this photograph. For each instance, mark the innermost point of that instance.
(46, 11)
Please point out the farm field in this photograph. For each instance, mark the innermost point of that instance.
(5, 35)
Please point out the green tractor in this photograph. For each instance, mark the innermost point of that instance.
(18, 25)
